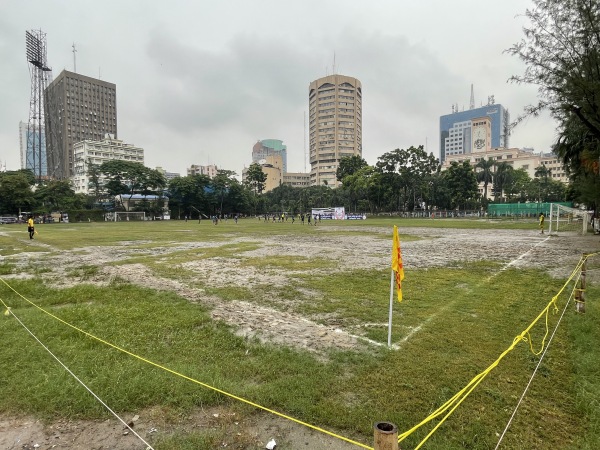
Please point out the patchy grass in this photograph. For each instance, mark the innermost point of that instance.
(83, 272)
(453, 323)
(287, 262)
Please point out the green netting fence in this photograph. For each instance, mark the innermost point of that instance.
(522, 209)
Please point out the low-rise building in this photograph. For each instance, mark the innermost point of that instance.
(168, 175)
(296, 179)
(210, 170)
(524, 159)
(97, 152)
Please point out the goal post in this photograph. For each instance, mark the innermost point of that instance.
(567, 220)
(126, 216)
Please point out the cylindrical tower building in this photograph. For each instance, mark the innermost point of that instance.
(335, 125)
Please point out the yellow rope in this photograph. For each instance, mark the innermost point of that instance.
(220, 391)
(450, 406)
(454, 402)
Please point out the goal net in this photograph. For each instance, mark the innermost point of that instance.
(567, 220)
(122, 216)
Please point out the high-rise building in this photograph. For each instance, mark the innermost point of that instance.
(269, 147)
(476, 130)
(77, 108)
(335, 125)
(33, 149)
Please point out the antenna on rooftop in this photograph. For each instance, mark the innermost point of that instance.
(74, 58)
(472, 102)
(334, 62)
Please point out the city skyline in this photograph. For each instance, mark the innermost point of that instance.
(200, 84)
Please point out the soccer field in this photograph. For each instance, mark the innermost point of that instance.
(295, 319)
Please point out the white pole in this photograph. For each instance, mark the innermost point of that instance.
(391, 305)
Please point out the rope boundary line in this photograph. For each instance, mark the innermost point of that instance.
(450, 405)
(173, 372)
(454, 402)
(148, 446)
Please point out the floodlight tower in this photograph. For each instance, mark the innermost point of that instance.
(36, 157)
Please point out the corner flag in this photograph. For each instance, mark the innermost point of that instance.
(397, 266)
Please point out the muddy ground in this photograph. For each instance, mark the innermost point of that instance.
(558, 255)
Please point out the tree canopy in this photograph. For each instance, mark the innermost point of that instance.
(561, 52)
(256, 178)
(127, 177)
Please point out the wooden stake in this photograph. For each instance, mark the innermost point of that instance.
(386, 436)
(580, 292)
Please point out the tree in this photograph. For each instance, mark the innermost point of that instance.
(221, 184)
(349, 165)
(461, 183)
(502, 178)
(408, 171)
(56, 195)
(93, 172)
(16, 194)
(561, 50)
(485, 175)
(518, 186)
(127, 177)
(189, 194)
(579, 150)
(361, 186)
(543, 173)
(256, 178)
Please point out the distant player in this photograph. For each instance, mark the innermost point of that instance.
(30, 227)
(542, 217)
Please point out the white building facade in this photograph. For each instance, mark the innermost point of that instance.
(210, 170)
(96, 152)
(524, 159)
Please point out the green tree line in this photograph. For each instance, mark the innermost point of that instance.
(402, 180)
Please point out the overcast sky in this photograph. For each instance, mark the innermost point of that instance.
(200, 82)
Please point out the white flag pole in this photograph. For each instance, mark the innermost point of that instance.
(391, 305)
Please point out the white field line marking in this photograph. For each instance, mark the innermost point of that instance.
(448, 305)
(514, 261)
(418, 328)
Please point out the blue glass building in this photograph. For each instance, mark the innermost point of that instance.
(474, 130)
(33, 150)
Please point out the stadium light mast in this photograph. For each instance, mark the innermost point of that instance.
(35, 151)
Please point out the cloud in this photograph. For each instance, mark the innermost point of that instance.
(199, 83)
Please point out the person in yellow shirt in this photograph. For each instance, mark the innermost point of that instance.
(30, 227)
(542, 217)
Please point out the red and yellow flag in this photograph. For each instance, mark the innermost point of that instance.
(397, 262)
